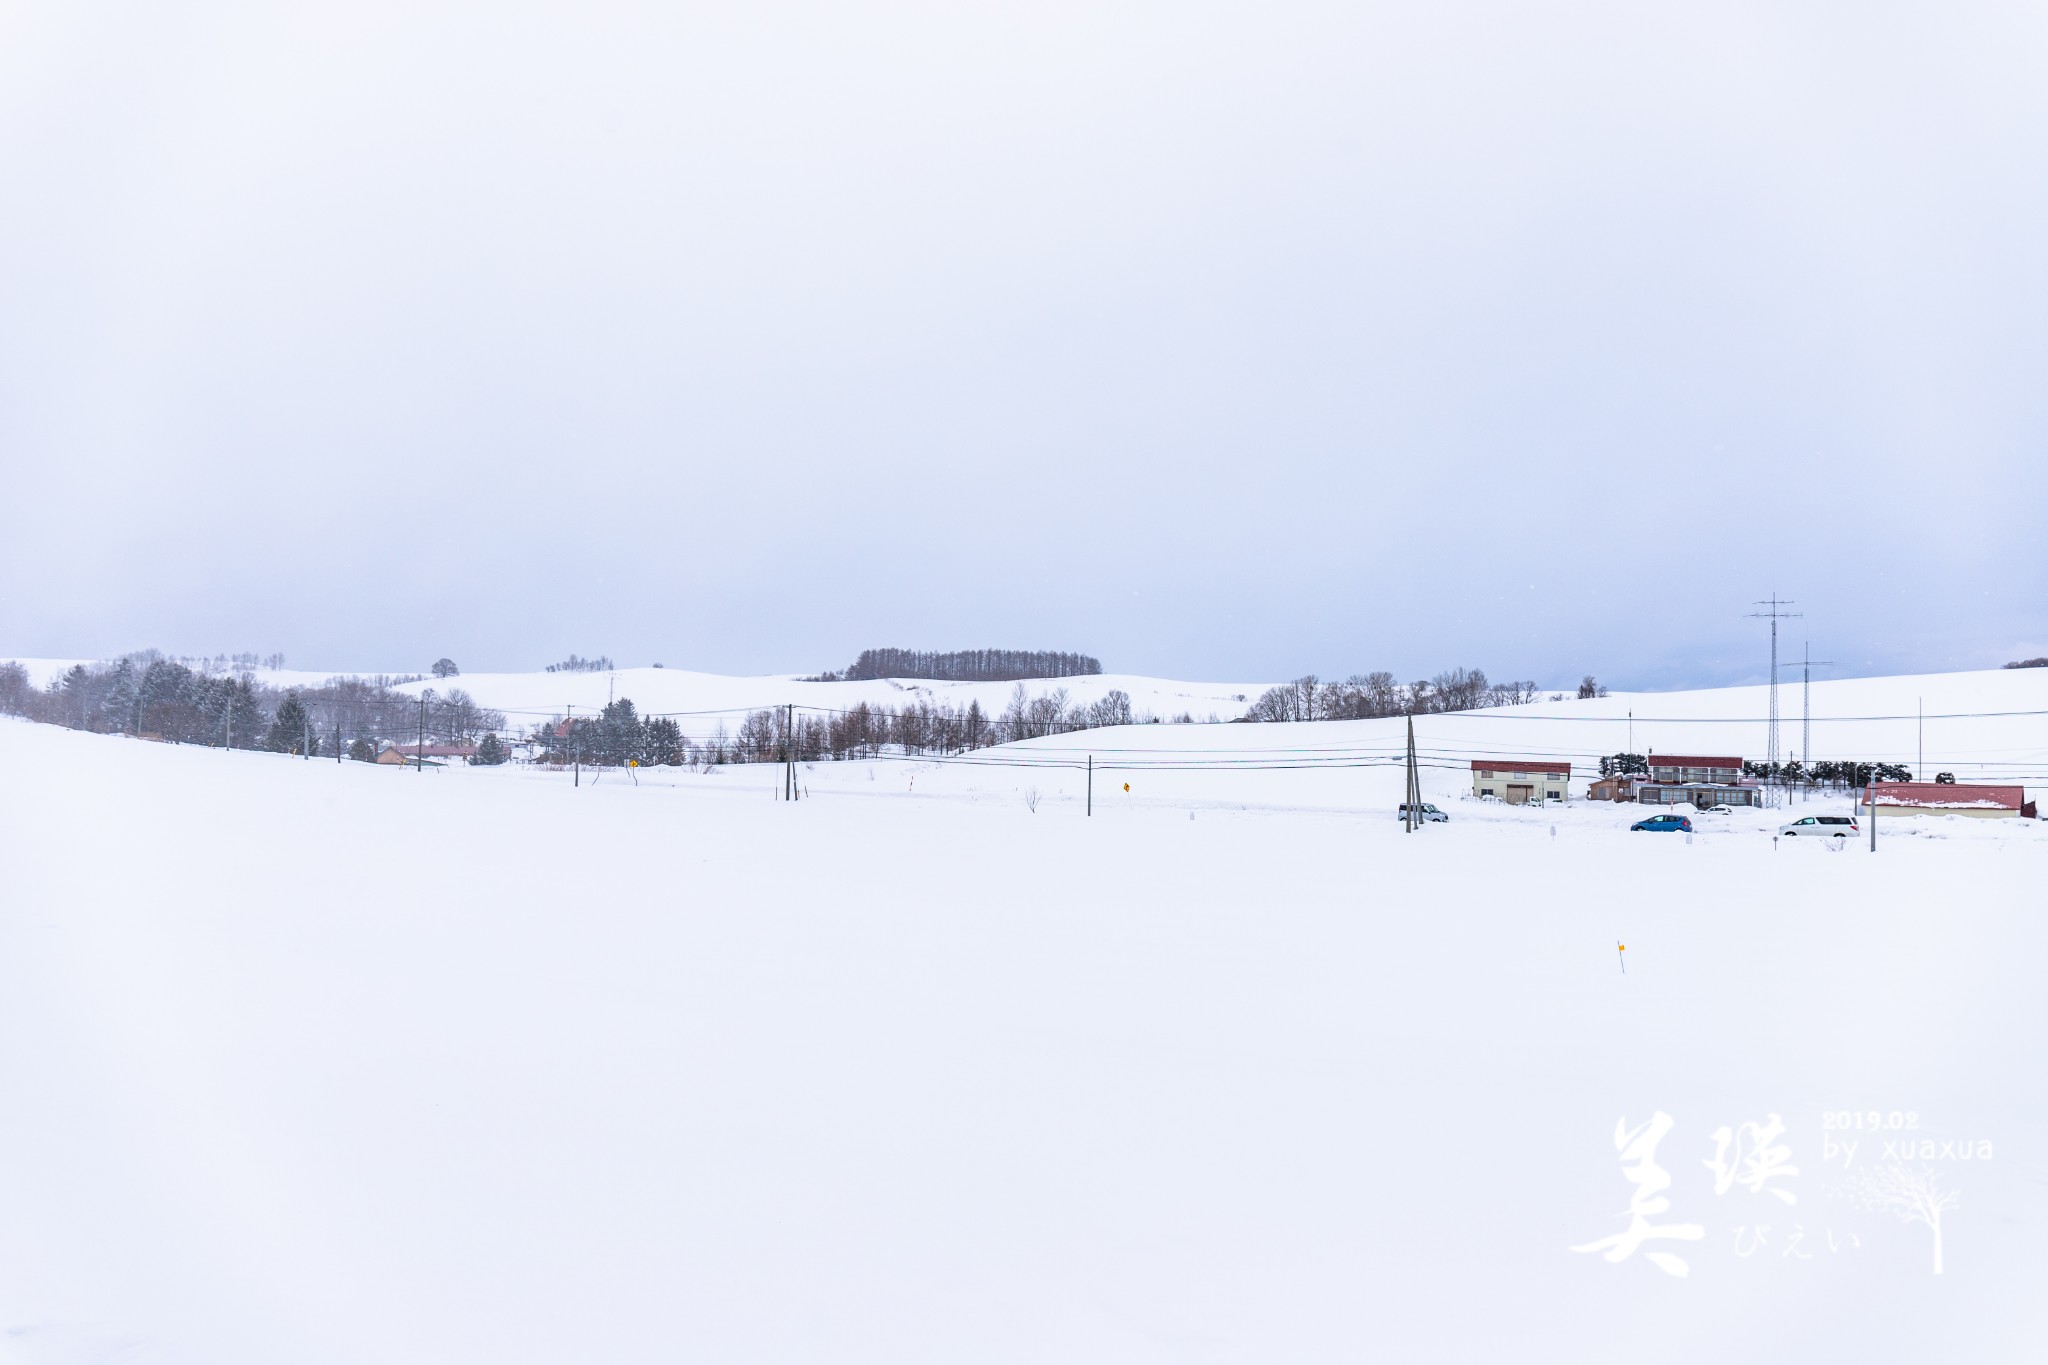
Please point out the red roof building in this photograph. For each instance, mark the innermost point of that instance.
(1946, 798)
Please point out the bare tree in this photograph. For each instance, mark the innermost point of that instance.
(1910, 1196)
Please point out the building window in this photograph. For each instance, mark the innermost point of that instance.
(1553, 796)
(1486, 791)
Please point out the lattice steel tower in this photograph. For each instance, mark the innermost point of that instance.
(1774, 615)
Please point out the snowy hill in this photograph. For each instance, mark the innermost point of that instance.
(1989, 725)
(678, 691)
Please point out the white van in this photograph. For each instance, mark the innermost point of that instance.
(1821, 827)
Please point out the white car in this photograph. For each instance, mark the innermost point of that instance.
(1821, 827)
(1717, 810)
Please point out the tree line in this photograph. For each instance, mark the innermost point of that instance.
(150, 695)
(620, 734)
(1364, 696)
(965, 665)
(1842, 775)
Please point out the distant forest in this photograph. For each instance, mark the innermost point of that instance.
(148, 694)
(966, 665)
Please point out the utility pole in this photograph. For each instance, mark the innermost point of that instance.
(575, 748)
(337, 736)
(421, 760)
(1412, 814)
(1870, 795)
(789, 751)
(1773, 615)
(307, 718)
(1091, 784)
(1920, 732)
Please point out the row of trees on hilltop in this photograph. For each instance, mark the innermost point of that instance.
(619, 733)
(967, 665)
(1363, 696)
(151, 695)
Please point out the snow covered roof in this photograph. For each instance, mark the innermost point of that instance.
(1950, 796)
(1520, 765)
(1691, 761)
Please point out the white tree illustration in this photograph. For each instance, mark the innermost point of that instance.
(1910, 1196)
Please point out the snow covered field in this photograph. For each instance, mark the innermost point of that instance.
(313, 1062)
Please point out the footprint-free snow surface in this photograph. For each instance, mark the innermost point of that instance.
(327, 1062)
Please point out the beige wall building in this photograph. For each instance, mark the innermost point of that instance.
(1521, 781)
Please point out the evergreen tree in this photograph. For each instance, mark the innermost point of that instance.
(288, 727)
(362, 751)
(245, 714)
(490, 751)
(76, 684)
(122, 697)
(620, 734)
(664, 742)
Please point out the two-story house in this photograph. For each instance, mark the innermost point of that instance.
(1520, 781)
(1702, 780)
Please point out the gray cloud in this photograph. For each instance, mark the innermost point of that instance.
(1214, 340)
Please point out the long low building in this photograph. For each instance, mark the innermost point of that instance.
(1521, 781)
(1702, 780)
(1946, 798)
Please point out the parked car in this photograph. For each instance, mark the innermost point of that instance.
(1822, 827)
(1424, 812)
(1717, 810)
(1663, 824)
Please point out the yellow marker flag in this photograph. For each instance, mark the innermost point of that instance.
(1127, 786)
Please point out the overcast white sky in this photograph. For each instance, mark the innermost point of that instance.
(1230, 341)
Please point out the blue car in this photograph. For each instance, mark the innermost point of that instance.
(1661, 824)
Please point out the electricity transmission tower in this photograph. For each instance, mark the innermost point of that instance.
(1806, 665)
(1774, 615)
